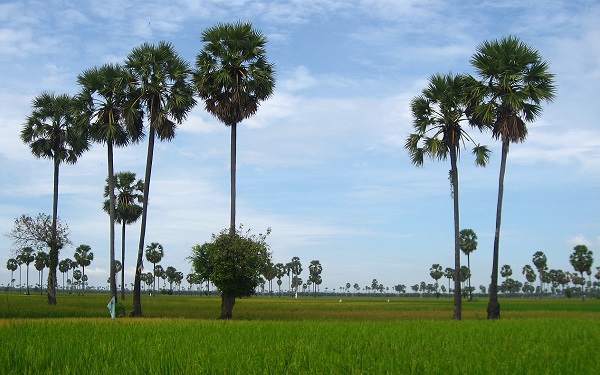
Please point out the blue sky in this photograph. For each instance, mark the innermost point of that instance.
(322, 162)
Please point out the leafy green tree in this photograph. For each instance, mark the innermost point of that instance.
(438, 113)
(103, 104)
(26, 256)
(540, 262)
(295, 267)
(161, 83)
(51, 133)
(41, 261)
(233, 76)
(83, 256)
(234, 264)
(281, 271)
(581, 259)
(514, 82)
(154, 254)
(12, 264)
(468, 244)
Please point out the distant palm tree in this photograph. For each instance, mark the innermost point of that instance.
(161, 82)
(468, 244)
(129, 194)
(12, 264)
(154, 254)
(541, 264)
(438, 113)
(64, 266)
(101, 104)
(514, 82)
(51, 133)
(41, 262)
(232, 78)
(26, 256)
(83, 256)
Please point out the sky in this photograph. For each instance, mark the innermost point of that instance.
(322, 163)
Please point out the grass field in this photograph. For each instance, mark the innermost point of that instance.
(180, 335)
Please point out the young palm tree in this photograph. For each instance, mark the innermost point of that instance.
(161, 81)
(127, 211)
(468, 244)
(51, 133)
(154, 254)
(102, 107)
(83, 256)
(514, 82)
(438, 113)
(232, 78)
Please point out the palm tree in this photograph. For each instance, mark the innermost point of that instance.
(127, 211)
(233, 77)
(468, 244)
(26, 256)
(41, 262)
(51, 133)
(506, 271)
(64, 266)
(162, 86)
(315, 269)
(529, 274)
(12, 264)
(101, 104)
(450, 274)
(514, 82)
(581, 259)
(540, 262)
(154, 254)
(438, 113)
(83, 256)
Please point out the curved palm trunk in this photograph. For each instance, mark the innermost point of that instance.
(233, 172)
(53, 255)
(111, 211)
(227, 303)
(123, 261)
(457, 291)
(137, 292)
(493, 308)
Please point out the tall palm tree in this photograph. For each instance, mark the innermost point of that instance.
(232, 78)
(468, 244)
(154, 254)
(83, 256)
(129, 194)
(514, 82)
(41, 262)
(104, 106)
(51, 133)
(438, 113)
(161, 81)
(64, 266)
(12, 264)
(26, 256)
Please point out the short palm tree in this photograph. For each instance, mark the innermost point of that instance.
(161, 84)
(233, 76)
(128, 210)
(83, 256)
(51, 133)
(154, 254)
(514, 82)
(438, 115)
(104, 107)
(468, 244)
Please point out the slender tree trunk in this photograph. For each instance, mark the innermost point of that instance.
(469, 267)
(137, 293)
(233, 173)
(493, 308)
(53, 256)
(123, 261)
(457, 291)
(27, 279)
(112, 215)
(227, 303)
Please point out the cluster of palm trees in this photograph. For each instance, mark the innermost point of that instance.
(153, 87)
(513, 82)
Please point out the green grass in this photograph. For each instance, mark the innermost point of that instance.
(179, 335)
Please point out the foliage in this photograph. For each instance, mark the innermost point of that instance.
(37, 232)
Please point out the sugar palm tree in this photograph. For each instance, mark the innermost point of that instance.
(232, 78)
(468, 244)
(127, 210)
(64, 266)
(104, 106)
(26, 256)
(154, 254)
(161, 81)
(514, 82)
(51, 133)
(438, 114)
(83, 256)
(12, 264)
(41, 261)
(581, 259)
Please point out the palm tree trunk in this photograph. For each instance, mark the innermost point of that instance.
(53, 256)
(137, 293)
(233, 173)
(111, 210)
(457, 291)
(123, 262)
(469, 267)
(493, 308)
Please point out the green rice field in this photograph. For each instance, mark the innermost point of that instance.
(180, 335)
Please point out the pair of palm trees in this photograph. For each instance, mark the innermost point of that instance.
(514, 80)
(155, 84)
